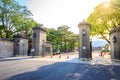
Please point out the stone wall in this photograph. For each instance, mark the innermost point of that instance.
(6, 48)
(17, 47)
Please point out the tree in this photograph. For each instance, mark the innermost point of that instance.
(63, 38)
(64, 29)
(26, 28)
(53, 36)
(104, 18)
(73, 41)
(14, 18)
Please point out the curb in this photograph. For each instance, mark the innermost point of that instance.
(15, 58)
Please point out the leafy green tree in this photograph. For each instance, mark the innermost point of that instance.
(26, 28)
(53, 36)
(14, 18)
(62, 37)
(104, 18)
(73, 41)
(64, 29)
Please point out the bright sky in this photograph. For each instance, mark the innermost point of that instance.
(54, 13)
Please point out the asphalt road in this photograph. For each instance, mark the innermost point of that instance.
(46, 70)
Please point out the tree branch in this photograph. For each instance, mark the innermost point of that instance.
(104, 37)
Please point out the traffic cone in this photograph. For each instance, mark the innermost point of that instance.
(51, 56)
(67, 56)
(59, 56)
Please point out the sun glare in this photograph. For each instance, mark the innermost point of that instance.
(106, 4)
(107, 0)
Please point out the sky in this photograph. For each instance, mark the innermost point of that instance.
(55, 13)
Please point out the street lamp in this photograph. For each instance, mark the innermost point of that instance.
(114, 39)
(83, 32)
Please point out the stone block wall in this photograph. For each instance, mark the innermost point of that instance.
(17, 47)
(6, 48)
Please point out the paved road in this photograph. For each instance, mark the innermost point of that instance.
(29, 69)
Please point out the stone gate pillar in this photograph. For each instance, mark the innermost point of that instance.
(20, 45)
(84, 40)
(39, 37)
(115, 43)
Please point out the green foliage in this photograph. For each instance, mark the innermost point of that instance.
(14, 18)
(107, 47)
(62, 37)
(1, 27)
(104, 18)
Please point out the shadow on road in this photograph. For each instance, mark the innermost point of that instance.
(71, 71)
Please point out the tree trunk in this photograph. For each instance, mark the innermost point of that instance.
(61, 44)
(65, 45)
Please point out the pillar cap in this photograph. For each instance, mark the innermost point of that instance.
(39, 28)
(19, 36)
(117, 29)
(83, 23)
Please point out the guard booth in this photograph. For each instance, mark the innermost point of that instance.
(84, 41)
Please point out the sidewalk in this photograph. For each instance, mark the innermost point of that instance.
(73, 58)
(95, 61)
(15, 58)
